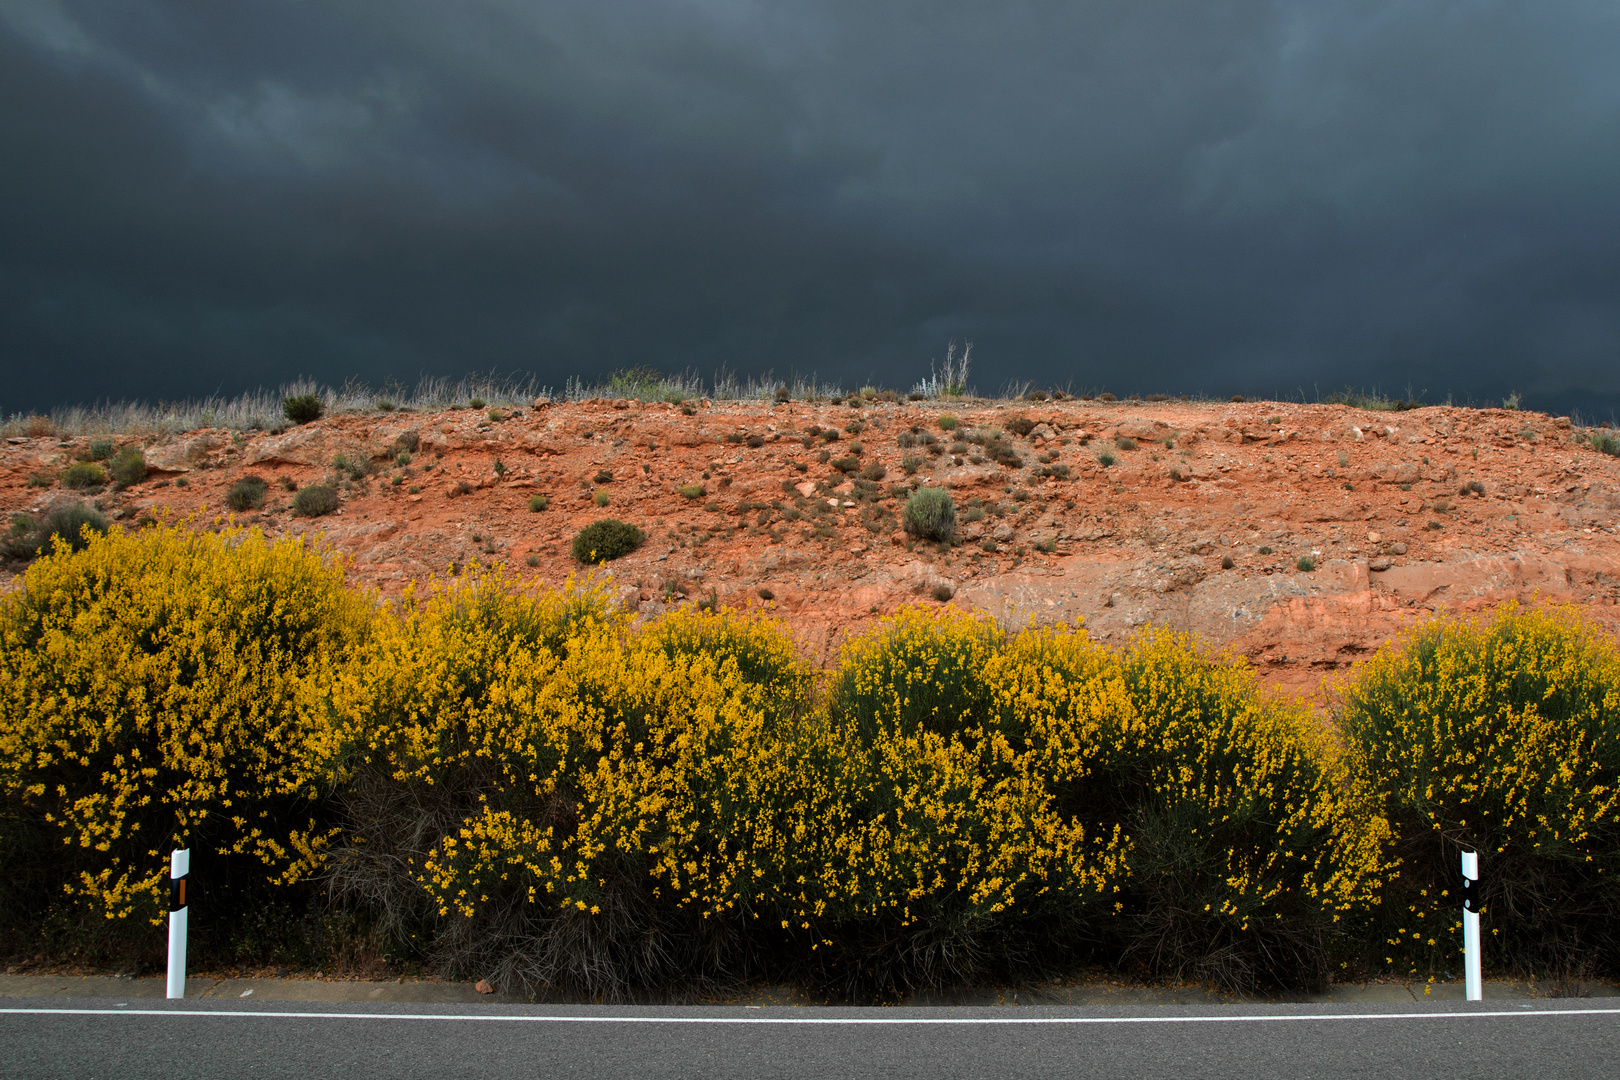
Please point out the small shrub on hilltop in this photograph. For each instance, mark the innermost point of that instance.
(1605, 442)
(930, 514)
(247, 493)
(352, 468)
(82, 475)
(1020, 426)
(97, 450)
(315, 500)
(302, 408)
(1500, 737)
(691, 491)
(605, 540)
(128, 466)
(538, 503)
(1000, 451)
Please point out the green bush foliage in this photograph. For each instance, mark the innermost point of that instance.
(72, 522)
(315, 500)
(303, 408)
(128, 466)
(605, 540)
(248, 493)
(83, 475)
(930, 514)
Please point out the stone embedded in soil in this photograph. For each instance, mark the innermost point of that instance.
(1381, 502)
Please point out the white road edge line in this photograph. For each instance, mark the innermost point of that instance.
(828, 1021)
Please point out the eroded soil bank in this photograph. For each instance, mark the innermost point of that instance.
(1200, 522)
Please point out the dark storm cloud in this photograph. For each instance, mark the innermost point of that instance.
(1145, 195)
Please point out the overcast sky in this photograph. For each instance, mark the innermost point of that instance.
(1135, 195)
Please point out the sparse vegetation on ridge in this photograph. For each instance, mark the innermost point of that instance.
(302, 408)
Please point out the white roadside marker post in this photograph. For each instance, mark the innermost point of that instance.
(1470, 901)
(179, 868)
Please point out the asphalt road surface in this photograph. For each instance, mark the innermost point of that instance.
(166, 1041)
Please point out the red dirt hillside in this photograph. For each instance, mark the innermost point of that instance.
(1403, 513)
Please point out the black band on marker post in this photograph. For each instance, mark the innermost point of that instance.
(1470, 895)
(177, 892)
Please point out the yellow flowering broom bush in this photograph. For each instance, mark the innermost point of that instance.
(591, 810)
(942, 847)
(1250, 841)
(150, 690)
(1499, 736)
(447, 705)
(521, 785)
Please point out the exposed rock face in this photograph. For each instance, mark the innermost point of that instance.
(1202, 526)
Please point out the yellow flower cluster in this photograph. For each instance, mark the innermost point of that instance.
(151, 697)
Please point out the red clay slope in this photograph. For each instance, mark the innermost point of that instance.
(1382, 502)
